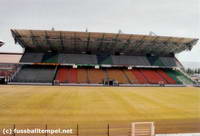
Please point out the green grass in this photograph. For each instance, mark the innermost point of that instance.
(58, 105)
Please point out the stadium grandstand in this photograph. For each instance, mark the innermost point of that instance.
(90, 58)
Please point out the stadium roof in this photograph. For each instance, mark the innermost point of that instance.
(112, 43)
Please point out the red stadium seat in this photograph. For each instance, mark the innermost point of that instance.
(73, 76)
(152, 76)
(166, 77)
(66, 75)
(62, 75)
(139, 76)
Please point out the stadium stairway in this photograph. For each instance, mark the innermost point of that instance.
(106, 74)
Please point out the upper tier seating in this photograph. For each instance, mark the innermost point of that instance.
(37, 74)
(50, 58)
(130, 60)
(77, 59)
(86, 59)
(155, 61)
(169, 61)
(32, 57)
(104, 59)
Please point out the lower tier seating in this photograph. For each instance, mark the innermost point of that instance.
(166, 77)
(116, 74)
(183, 78)
(37, 74)
(96, 76)
(131, 78)
(152, 76)
(82, 76)
(48, 74)
(179, 77)
(73, 75)
(173, 75)
(66, 75)
(61, 75)
(139, 76)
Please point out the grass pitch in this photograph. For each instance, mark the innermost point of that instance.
(62, 104)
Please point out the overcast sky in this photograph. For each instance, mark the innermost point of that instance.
(164, 17)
